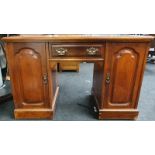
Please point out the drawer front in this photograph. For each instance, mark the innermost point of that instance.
(76, 50)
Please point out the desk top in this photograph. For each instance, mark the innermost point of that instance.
(78, 38)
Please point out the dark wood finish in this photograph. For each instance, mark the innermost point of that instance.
(28, 70)
(33, 113)
(76, 50)
(128, 114)
(75, 59)
(118, 72)
(27, 63)
(124, 65)
(98, 82)
(72, 66)
(78, 38)
(125, 70)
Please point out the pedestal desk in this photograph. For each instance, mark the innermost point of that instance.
(119, 63)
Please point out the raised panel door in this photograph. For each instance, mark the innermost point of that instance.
(124, 74)
(29, 75)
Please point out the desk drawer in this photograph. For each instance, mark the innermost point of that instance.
(77, 50)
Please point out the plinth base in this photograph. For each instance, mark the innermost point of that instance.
(128, 114)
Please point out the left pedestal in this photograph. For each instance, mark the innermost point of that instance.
(29, 73)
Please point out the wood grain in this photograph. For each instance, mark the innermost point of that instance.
(78, 38)
(117, 77)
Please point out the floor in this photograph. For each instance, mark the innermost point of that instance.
(74, 101)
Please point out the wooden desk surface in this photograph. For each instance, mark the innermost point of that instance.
(78, 38)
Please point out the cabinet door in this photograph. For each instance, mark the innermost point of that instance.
(124, 72)
(27, 63)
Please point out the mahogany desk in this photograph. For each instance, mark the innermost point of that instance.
(119, 63)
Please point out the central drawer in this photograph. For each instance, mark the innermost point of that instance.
(77, 50)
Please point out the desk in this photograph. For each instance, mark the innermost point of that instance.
(119, 63)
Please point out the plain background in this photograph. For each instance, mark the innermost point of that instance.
(77, 17)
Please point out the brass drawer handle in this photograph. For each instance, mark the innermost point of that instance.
(45, 79)
(61, 51)
(92, 51)
(108, 78)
